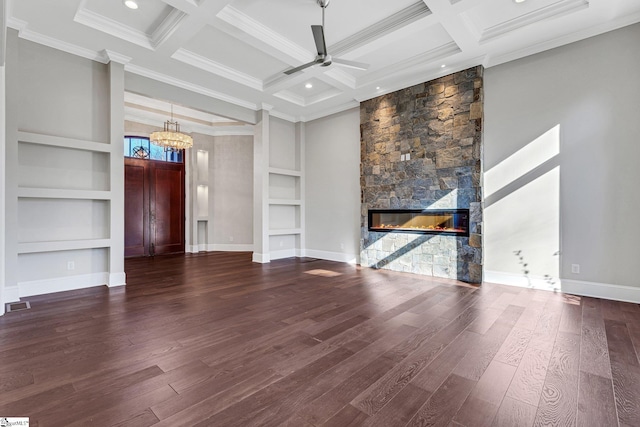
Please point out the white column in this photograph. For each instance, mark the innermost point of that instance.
(11, 97)
(116, 137)
(300, 156)
(2, 189)
(261, 188)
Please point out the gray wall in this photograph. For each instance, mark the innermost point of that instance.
(576, 187)
(333, 186)
(230, 189)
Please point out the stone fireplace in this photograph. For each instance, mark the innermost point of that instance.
(421, 151)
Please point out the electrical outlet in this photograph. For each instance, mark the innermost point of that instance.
(575, 268)
(281, 243)
(341, 245)
(231, 238)
(71, 265)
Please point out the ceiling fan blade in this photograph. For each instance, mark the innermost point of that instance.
(351, 64)
(300, 68)
(318, 36)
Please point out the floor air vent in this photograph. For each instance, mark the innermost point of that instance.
(17, 306)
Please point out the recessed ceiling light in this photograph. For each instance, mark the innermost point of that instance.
(377, 87)
(518, 1)
(308, 85)
(131, 4)
(443, 65)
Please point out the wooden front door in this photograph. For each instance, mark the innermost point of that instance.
(154, 207)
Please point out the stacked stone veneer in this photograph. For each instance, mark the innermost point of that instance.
(438, 124)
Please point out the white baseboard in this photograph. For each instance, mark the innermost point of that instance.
(522, 281)
(11, 294)
(230, 248)
(60, 284)
(285, 253)
(117, 279)
(222, 247)
(602, 290)
(575, 287)
(331, 256)
(261, 258)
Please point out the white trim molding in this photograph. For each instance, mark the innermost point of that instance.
(117, 279)
(602, 290)
(59, 284)
(522, 281)
(261, 258)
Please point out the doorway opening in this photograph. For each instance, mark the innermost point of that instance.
(154, 199)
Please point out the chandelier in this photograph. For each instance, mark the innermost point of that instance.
(171, 138)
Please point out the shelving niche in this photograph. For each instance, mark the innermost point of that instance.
(63, 194)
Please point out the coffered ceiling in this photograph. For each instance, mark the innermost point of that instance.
(237, 51)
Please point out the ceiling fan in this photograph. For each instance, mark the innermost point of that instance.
(323, 58)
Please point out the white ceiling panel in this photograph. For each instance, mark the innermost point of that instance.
(146, 18)
(222, 48)
(293, 18)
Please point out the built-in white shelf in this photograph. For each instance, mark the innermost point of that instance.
(285, 232)
(58, 141)
(63, 245)
(286, 172)
(56, 193)
(288, 202)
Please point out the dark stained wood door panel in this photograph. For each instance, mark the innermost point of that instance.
(154, 208)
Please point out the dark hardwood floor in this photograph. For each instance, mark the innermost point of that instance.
(215, 340)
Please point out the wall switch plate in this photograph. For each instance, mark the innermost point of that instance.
(71, 265)
(575, 268)
(231, 238)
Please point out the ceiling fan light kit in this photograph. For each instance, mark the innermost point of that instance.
(323, 58)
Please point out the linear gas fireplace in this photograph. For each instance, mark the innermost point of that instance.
(422, 221)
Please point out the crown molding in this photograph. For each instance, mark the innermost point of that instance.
(329, 111)
(191, 127)
(115, 57)
(167, 28)
(551, 11)
(216, 68)
(432, 55)
(106, 25)
(256, 29)
(381, 28)
(283, 116)
(145, 72)
(492, 61)
(25, 33)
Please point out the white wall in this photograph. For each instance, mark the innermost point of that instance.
(561, 150)
(333, 186)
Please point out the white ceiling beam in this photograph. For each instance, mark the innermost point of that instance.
(449, 18)
(190, 23)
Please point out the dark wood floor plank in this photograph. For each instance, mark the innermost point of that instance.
(514, 346)
(594, 352)
(514, 413)
(474, 364)
(596, 403)
(559, 400)
(441, 407)
(347, 417)
(528, 381)
(213, 339)
(485, 399)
